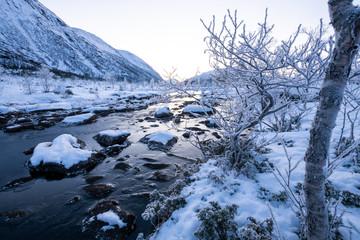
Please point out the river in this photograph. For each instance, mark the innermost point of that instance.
(50, 213)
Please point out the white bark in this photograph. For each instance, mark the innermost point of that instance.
(345, 19)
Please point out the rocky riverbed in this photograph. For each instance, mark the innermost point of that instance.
(148, 155)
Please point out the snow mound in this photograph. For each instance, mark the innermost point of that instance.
(63, 150)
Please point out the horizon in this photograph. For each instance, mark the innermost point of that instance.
(169, 34)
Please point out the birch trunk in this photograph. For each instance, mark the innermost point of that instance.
(345, 20)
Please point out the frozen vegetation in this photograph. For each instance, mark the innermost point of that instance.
(261, 196)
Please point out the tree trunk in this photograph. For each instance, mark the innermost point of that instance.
(345, 19)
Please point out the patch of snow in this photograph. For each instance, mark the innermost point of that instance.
(5, 110)
(161, 137)
(112, 219)
(163, 110)
(14, 126)
(63, 150)
(196, 109)
(114, 133)
(107, 227)
(77, 118)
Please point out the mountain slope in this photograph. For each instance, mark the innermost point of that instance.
(30, 35)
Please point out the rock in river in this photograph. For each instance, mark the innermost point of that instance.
(99, 190)
(197, 109)
(111, 137)
(161, 140)
(108, 221)
(79, 119)
(123, 166)
(20, 127)
(64, 156)
(163, 112)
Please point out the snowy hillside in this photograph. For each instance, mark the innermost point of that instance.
(32, 35)
(204, 79)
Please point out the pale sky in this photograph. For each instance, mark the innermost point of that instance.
(168, 33)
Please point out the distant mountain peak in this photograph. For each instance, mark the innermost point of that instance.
(31, 35)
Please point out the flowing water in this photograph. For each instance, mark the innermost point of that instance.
(50, 213)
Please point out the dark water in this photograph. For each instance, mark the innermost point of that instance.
(50, 215)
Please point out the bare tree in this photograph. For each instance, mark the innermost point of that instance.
(27, 84)
(258, 76)
(45, 76)
(345, 18)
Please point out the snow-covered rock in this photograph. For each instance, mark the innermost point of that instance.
(79, 119)
(196, 109)
(163, 112)
(30, 35)
(62, 157)
(111, 137)
(161, 140)
(210, 123)
(20, 127)
(108, 221)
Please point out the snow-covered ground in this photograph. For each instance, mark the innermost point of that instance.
(213, 183)
(27, 94)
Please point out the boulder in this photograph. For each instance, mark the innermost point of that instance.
(197, 110)
(161, 140)
(92, 179)
(123, 166)
(111, 137)
(20, 127)
(79, 119)
(210, 123)
(108, 221)
(114, 150)
(160, 176)
(99, 190)
(63, 157)
(163, 112)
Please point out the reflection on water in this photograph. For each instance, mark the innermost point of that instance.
(51, 212)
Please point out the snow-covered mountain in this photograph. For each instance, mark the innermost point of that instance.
(204, 79)
(30, 35)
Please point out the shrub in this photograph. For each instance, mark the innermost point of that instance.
(161, 207)
(257, 230)
(217, 222)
